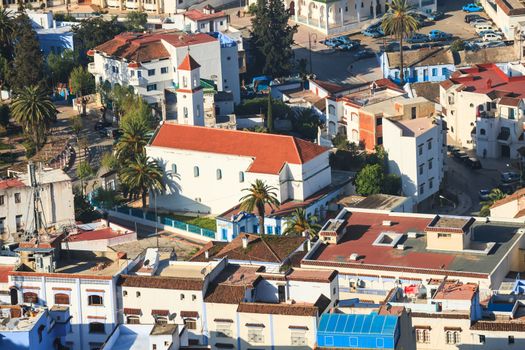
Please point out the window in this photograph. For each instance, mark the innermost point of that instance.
(241, 176)
(185, 112)
(125, 293)
(420, 150)
(420, 169)
(379, 121)
(95, 300)
(151, 72)
(193, 297)
(223, 330)
(2, 226)
(431, 183)
(298, 338)
(139, 74)
(511, 339)
(269, 230)
(413, 112)
(255, 336)
(62, 299)
(132, 73)
(380, 140)
(481, 339)
(138, 294)
(422, 188)
(190, 323)
(434, 72)
(2, 200)
(184, 81)
(195, 171)
(202, 25)
(277, 230)
(482, 131)
(422, 335)
(181, 296)
(430, 163)
(452, 337)
(154, 346)
(444, 235)
(30, 298)
(114, 69)
(511, 113)
(164, 70)
(174, 168)
(40, 331)
(224, 234)
(97, 327)
(429, 144)
(151, 87)
(219, 174)
(133, 319)
(18, 220)
(17, 197)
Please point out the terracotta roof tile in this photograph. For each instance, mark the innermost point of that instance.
(188, 63)
(509, 101)
(197, 15)
(225, 294)
(103, 233)
(270, 152)
(279, 309)
(515, 196)
(11, 183)
(498, 326)
(161, 282)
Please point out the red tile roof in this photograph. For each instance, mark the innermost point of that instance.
(103, 233)
(457, 291)
(138, 47)
(498, 326)
(197, 15)
(489, 78)
(161, 282)
(515, 196)
(4, 272)
(270, 152)
(10, 183)
(188, 63)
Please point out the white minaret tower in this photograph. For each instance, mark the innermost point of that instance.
(190, 98)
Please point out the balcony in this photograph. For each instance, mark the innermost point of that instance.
(136, 81)
(92, 68)
(504, 136)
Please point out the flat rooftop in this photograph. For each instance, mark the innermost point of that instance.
(18, 324)
(137, 336)
(415, 127)
(363, 228)
(368, 97)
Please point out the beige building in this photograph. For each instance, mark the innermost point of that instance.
(512, 206)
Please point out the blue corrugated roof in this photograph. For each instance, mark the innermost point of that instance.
(358, 324)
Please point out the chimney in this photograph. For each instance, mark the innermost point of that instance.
(244, 241)
(489, 83)
(308, 245)
(207, 254)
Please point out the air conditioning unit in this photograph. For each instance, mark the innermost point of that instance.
(400, 247)
(354, 256)
(387, 223)
(412, 234)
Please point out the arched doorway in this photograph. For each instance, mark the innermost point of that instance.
(292, 8)
(13, 292)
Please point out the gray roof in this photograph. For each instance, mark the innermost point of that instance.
(381, 202)
(487, 55)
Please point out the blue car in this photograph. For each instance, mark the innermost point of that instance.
(438, 35)
(472, 7)
(332, 43)
(374, 32)
(418, 38)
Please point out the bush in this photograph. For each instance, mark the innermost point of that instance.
(84, 211)
(457, 45)
(369, 180)
(30, 148)
(252, 8)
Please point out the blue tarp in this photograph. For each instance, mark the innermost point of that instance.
(370, 331)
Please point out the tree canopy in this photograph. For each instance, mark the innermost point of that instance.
(82, 82)
(136, 21)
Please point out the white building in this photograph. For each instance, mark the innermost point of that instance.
(416, 153)
(148, 62)
(200, 21)
(207, 168)
(17, 201)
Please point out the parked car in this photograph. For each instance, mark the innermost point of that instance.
(509, 177)
(418, 38)
(349, 47)
(473, 163)
(492, 37)
(472, 46)
(364, 53)
(484, 195)
(374, 32)
(332, 43)
(472, 7)
(484, 26)
(488, 31)
(479, 21)
(495, 44)
(421, 18)
(436, 15)
(459, 154)
(438, 35)
(470, 18)
(508, 188)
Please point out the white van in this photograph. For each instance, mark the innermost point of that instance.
(484, 26)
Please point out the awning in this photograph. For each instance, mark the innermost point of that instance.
(256, 325)
(160, 312)
(130, 311)
(194, 314)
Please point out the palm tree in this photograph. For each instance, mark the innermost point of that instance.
(142, 175)
(259, 195)
(495, 195)
(299, 222)
(400, 22)
(7, 28)
(133, 140)
(34, 111)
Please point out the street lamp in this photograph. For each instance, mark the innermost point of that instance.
(448, 200)
(311, 36)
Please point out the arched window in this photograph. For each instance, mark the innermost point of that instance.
(132, 320)
(97, 327)
(174, 168)
(219, 174)
(30, 297)
(184, 81)
(196, 171)
(61, 298)
(331, 109)
(95, 300)
(241, 176)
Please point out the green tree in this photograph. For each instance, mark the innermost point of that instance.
(27, 67)
(5, 114)
(272, 37)
(82, 82)
(7, 31)
(107, 198)
(84, 173)
(33, 110)
(133, 140)
(340, 141)
(400, 22)
(457, 45)
(259, 195)
(495, 195)
(122, 97)
(142, 175)
(299, 222)
(369, 180)
(391, 184)
(60, 65)
(136, 21)
(109, 161)
(77, 125)
(269, 114)
(306, 123)
(84, 211)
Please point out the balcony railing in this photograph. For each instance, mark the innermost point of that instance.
(363, 291)
(135, 81)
